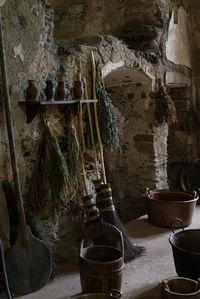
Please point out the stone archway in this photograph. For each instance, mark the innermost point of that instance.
(142, 162)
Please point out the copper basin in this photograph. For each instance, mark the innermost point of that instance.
(163, 206)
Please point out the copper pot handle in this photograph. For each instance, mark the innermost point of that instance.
(115, 293)
(175, 220)
(145, 193)
(195, 193)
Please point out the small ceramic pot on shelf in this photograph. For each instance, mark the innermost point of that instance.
(31, 92)
(49, 90)
(61, 91)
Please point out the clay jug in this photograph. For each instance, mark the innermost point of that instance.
(78, 90)
(49, 90)
(61, 91)
(31, 91)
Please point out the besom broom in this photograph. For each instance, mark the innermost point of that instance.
(104, 199)
(91, 211)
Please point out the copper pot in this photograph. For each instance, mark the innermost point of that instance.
(163, 206)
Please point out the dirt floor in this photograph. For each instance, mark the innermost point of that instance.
(141, 277)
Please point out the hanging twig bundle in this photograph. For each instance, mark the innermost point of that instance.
(69, 145)
(107, 119)
(165, 110)
(51, 176)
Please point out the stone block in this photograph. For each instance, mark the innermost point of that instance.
(182, 105)
(182, 116)
(143, 138)
(145, 147)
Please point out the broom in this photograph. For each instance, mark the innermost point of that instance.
(91, 211)
(104, 192)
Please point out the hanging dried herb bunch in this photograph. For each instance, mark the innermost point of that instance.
(69, 145)
(49, 186)
(192, 120)
(165, 110)
(107, 119)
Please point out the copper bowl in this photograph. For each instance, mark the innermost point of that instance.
(163, 206)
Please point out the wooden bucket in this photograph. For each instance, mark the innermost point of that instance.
(101, 265)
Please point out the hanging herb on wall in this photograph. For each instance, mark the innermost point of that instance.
(69, 145)
(49, 186)
(165, 110)
(107, 119)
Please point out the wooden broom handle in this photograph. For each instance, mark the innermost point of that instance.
(82, 148)
(84, 174)
(96, 117)
(91, 129)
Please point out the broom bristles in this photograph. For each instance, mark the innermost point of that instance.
(108, 214)
(131, 251)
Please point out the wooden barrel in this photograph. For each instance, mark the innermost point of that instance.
(101, 266)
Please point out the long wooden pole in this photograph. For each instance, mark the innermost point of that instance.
(10, 129)
(82, 148)
(96, 117)
(91, 129)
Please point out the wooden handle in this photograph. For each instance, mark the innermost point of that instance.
(91, 129)
(2, 2)
(81, 128)
(82, 150)
(84, 174)
(10, 130)
(96, 117)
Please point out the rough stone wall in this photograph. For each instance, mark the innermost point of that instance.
(139, 23)
(194, 12)
(143, 157)
(82, 26)
(179, 41)
(27, 58)
(160, 134)
(32, 54)
(132, 170)
(180, 142)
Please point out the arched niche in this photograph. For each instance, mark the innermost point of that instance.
(142, 162)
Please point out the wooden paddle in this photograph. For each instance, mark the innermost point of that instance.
(28, 262)
(3, 274)
(4, 221)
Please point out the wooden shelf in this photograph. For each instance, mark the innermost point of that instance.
(32, 107)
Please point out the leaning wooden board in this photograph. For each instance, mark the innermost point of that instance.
(28, 261)
(4, 221)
